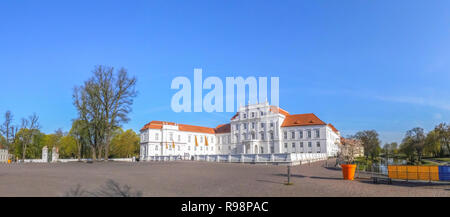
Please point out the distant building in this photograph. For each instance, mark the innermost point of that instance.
(254, 129)
(4, 155)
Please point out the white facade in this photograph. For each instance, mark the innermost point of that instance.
(4, 156)
(255, 129)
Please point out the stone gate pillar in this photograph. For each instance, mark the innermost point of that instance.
(45, 154)
(55, 154)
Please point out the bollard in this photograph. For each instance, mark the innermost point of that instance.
(289, 175)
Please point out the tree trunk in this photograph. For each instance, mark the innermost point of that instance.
(94, 155)
(24, 150)
(79, 153)
(99, 154)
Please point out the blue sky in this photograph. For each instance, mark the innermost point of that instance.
(380, 65)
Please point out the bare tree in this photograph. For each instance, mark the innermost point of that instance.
(28, 128)
(104, 102)
(91, 113)
(7, 129)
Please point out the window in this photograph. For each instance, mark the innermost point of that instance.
(285, 145)
(179, 138)
(212, 139)
(271, 124)
(156, 147)
(245, 115)
(253, 114)
(189, 148)
(262, 136)
(262, 113)
(293, 145)
(271, 135)
(301, 134)
(317, 133)
(318, 151)
(245, 126)
(229, 147)
(156, 136)
(301, 144)
(309, 133)
(253, 136)
(237, 127)
(201, 138)
(189, 138)
(285, 135)
(171, 136)
(262, 125)
(310, 144)
(318, 144)
(253, 125)
(178, 148)
(293, 135)
(206, 148)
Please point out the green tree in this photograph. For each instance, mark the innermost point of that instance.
(413, 144)
(432, 144)
(68, 147)
(53, 140)
(370, 142)
(79, 132)
(443, 134)
(125, 144)
(29, 143)
(3, 143)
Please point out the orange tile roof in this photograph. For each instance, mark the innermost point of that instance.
(278, 110)
(302, 120)
(333, 128)
(197, 129)
(223, 128)
(156, 125)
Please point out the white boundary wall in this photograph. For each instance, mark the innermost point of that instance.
(75, 160)
(286, 158)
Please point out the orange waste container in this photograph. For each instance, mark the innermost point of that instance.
(348, 171)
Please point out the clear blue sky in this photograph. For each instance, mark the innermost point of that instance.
(380, 65)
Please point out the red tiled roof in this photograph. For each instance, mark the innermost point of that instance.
(223, 128)
(278, 110)
(333, 128)
(302, 120)
(181, 127)
(197, 129)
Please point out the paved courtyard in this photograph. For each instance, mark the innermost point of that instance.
(199, 179)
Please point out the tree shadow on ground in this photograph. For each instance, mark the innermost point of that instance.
(331, 178)
(110, 189)
(292, 175)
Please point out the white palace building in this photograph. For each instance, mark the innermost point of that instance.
(254, 129)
